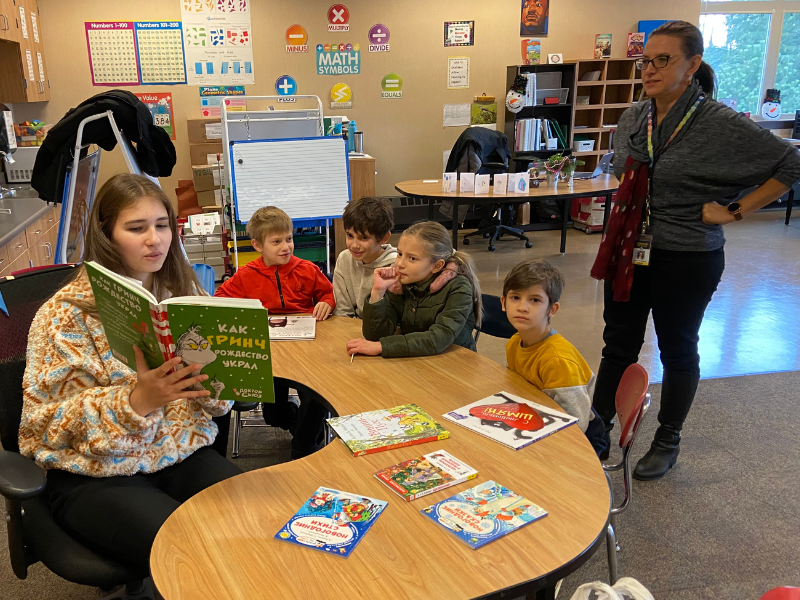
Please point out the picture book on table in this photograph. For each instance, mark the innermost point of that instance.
(602, 45)
(426, 474)
(227, 336)
(297, 327)
(388, 428)
(635, 45)
(484, 513)
(510, 420)
(332, 521)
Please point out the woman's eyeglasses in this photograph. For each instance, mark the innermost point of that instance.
(659, 62)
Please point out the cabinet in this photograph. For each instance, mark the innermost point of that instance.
(362, 183)
(23, 70)
(33, 247)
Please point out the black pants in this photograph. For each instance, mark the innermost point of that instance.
(119, 517)
(306, 428)
(677, 287)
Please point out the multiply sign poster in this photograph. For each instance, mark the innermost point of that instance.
(217, 42)
(338, 59)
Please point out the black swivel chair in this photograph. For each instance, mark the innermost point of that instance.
(485, 152)
(494, 320)
(33, 534)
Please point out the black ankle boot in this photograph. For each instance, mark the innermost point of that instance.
(662, 455)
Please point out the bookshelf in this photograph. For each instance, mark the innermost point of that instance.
(618, 88)
(562, 113)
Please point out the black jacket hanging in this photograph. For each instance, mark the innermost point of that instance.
(153, 150)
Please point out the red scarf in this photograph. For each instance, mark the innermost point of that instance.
(614, 259)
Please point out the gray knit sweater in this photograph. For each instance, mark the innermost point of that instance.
(719, 154)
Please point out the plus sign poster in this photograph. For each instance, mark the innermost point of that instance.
(217, 42)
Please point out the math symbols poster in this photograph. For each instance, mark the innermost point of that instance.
(218, 42)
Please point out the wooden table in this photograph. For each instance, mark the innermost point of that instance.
(604, 185)
(220, 543)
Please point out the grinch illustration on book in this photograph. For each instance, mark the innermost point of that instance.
(193, 349)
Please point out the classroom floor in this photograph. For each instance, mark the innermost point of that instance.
(724, 523)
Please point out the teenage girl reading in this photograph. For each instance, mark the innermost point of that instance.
(123, 447)
(431, 293)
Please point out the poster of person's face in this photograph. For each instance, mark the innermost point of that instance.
(533, 19)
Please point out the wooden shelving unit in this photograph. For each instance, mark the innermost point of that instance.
(619, 86)
(563, 113)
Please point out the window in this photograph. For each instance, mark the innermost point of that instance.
(754, 45)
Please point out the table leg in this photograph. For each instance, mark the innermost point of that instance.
(455, 224)
(607, 211)
(548, 593)
(564, 219)
(789, 205)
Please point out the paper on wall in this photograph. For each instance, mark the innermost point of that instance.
(457, 72)
(456, 115)
(218, 42)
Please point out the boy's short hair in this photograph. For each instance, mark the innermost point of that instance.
(368, 215)
(267, 220)
(535, 271)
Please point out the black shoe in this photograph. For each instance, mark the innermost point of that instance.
(662, 455)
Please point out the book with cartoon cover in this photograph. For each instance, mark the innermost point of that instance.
(332, 521)
(387, 428)
(292, 327)
(426, 474)
(227, 336)
(484, 513)
(635, 45)
(510, 420)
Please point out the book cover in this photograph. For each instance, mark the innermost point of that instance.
(635, 45)
(332, 521)
(510, 420)
(298, 327)
(425, 475)
(385, 429)
(484, 513)
(602, 45)
(531, 51)
(221, 334)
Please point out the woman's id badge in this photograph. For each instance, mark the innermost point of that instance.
(641, 250)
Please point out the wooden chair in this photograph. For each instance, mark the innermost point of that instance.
(632, 401)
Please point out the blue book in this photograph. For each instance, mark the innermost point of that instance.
(332, 521)
(484, 513)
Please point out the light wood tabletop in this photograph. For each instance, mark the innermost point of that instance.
(220, 544)
(431, 190)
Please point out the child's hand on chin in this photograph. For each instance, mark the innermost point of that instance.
(362, 346)
(383, 279)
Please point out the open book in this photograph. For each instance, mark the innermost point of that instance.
(292, 327)
(228, 336)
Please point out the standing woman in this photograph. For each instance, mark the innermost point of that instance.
(683, 156)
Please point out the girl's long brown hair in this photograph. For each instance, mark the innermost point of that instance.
(117, 194)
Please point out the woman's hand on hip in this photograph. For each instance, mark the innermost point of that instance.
(716, 214)
(158, 387)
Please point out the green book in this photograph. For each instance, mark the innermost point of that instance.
(228, 336)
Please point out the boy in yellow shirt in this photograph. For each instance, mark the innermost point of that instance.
(531, 292)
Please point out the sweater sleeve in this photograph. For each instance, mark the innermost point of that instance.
(441, 335)
(72, 401)
(621, 136)
(564, 381)
(323, 290)
(380, 318)
(345, 302)
(233, 288)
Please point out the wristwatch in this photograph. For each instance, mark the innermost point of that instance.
(736, 210)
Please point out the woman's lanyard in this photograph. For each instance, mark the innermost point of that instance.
(644, 244)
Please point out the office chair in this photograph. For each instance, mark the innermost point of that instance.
(494, 322)
(632, 401)
(33, 534)
(484, 152)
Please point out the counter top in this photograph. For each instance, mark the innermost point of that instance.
(17, 213)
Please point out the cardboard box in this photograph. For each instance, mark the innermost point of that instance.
(198, 153)
(206, 177)
(203, 130)
(209, 198)
(216, 209)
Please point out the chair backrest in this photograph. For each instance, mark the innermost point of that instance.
(631, 395)
(23, 296)
(782, 593)
(494, 320)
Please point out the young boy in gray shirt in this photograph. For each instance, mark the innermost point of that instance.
(368, 224)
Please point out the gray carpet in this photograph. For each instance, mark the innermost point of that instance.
(723, 525)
